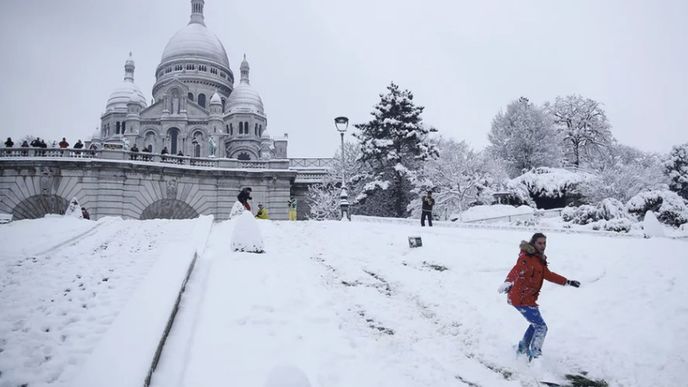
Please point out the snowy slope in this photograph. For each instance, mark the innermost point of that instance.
(351, 304)
(58, 305)
(346, 303)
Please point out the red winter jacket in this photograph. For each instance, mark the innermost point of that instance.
(527, 276)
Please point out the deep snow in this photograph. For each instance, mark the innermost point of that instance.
(347, 304)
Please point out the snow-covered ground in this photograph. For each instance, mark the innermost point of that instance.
(350, 304)
(64, 281)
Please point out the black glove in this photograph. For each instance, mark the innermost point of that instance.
(575, 284)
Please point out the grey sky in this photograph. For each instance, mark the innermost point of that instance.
(313, 60)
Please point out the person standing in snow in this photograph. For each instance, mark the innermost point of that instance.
(428, 203)
(84, 213)
(291, 204)
(244, 196)
(523, 285)
(262, 212)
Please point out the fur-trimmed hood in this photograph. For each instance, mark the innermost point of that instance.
(528, 248)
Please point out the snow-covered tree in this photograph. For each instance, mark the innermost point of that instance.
(552, 187)
(624, 172)
(676, 167)
(525, 138)
(393, 145)
(583, 126)
(459, 177)
(323, 198)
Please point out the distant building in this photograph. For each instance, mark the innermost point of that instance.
(196, 109)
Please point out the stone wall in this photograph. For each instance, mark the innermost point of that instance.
(30, 188)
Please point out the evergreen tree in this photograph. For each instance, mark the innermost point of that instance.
(677, 170)
(524, 138)
(393, 145)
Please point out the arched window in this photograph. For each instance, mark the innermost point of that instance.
(117, 128)
(190, 96)
(173, 133)
(124, 127)
(244, 156)
(197, 149)
(255, 129)
(241, 128)
(231, 129)
(201, 99)
(223, 104)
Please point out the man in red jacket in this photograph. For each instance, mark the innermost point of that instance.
(523, 285)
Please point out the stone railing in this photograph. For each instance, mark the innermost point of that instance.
(325, 163)
(49, 152)
(118, 154)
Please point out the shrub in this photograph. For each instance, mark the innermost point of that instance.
(670, 208)
(618, 225)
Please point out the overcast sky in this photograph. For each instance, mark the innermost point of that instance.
(312, 60)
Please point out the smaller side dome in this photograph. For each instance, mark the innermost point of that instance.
(127, 91)
(244, 97)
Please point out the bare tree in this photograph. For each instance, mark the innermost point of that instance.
(583, 125)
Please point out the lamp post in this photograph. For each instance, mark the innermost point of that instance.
(342, 123)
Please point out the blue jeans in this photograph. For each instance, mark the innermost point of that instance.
(534, 337)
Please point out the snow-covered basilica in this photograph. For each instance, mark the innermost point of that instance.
(196, 109)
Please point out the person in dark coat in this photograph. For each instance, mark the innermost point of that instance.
(9, 143)
(134, 152)
(244, 196)
(25, 144)
(63, 144)
(164, 151)
(84, 213)
(428, 202)
(79, 145)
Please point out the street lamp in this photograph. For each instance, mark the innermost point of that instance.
(342, 123)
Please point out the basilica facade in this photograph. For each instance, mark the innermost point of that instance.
(196, 110)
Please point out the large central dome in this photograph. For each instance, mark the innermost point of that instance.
(195, 41)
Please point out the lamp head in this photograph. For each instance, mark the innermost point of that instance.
(341, 123)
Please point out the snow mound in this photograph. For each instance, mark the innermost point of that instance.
(287, 376)
(652, 226)
(237, 209)
(246, 236)
(494, 211)
(551, 182)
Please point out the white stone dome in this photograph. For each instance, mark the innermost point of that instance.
(119, 98)
(195, 41)
(126, 92)
(244, 98)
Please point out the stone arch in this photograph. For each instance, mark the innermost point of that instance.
(168, 209)
(37, 206)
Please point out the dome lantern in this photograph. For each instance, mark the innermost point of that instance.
(197, 12)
